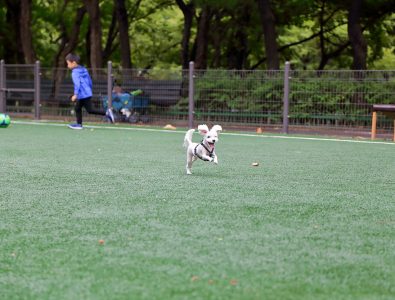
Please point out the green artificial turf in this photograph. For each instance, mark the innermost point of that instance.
(315, 220)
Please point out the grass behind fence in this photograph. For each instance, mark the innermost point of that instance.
(314, 221)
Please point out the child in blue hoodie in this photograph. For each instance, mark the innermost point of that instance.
(83, 91)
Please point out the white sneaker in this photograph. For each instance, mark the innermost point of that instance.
(110, 115)
(75, 126)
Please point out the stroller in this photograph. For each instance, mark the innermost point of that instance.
(129, 107)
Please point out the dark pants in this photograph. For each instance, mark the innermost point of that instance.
(87, 103)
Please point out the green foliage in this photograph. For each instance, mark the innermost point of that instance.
(156, 29)
(156, 39)
(50, 18)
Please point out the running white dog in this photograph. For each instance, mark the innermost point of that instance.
(205, 150)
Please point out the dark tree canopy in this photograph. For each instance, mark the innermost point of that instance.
(227, 34)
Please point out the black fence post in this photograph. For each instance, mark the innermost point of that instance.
(37, 92)
(286, 98)
(190, 95)
(2, 87)
(109, 84)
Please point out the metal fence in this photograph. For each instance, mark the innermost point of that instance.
(336, 100)
(339, 99)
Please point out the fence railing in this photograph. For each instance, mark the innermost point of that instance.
(277, 99)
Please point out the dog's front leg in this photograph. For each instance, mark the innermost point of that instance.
(207, 158)
(215, 158)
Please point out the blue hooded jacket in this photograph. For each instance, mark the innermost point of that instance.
(82, 82)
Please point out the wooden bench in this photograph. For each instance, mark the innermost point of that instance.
(162, 93)
(47, 98)
(388, 110)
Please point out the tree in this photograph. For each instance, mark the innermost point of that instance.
(95, 35)
(269, 33)
(235, 34)
(112, 33)
(123, 22)
(202, 37)
(12, 46)
(355, 35)
(188, 11)
(238, 44)
(26, 33)
(68, 42)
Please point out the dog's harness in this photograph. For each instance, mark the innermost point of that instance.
(210, 153)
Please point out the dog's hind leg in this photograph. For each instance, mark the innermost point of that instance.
(189, 163)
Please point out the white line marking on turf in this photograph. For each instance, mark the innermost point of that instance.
(312, 138)
(223, 133)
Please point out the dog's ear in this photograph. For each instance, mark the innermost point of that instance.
(203, 129)
(216, 128)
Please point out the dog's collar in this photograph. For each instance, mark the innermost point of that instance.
(210, 153)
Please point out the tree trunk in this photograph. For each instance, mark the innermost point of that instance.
(217, 34)
(26, 32)
(111, 35)
(269, 32)
(12, 43)
(238, 45)
(358, 43)
(123, 22)
(67, 44)
(202, 39)
(188, 11)
(324, 58)
(95, 37)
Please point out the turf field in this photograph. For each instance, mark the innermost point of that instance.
(315, 220)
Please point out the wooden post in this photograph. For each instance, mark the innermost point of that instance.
(374, 122)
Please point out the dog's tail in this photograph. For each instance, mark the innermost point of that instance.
(188, 138)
